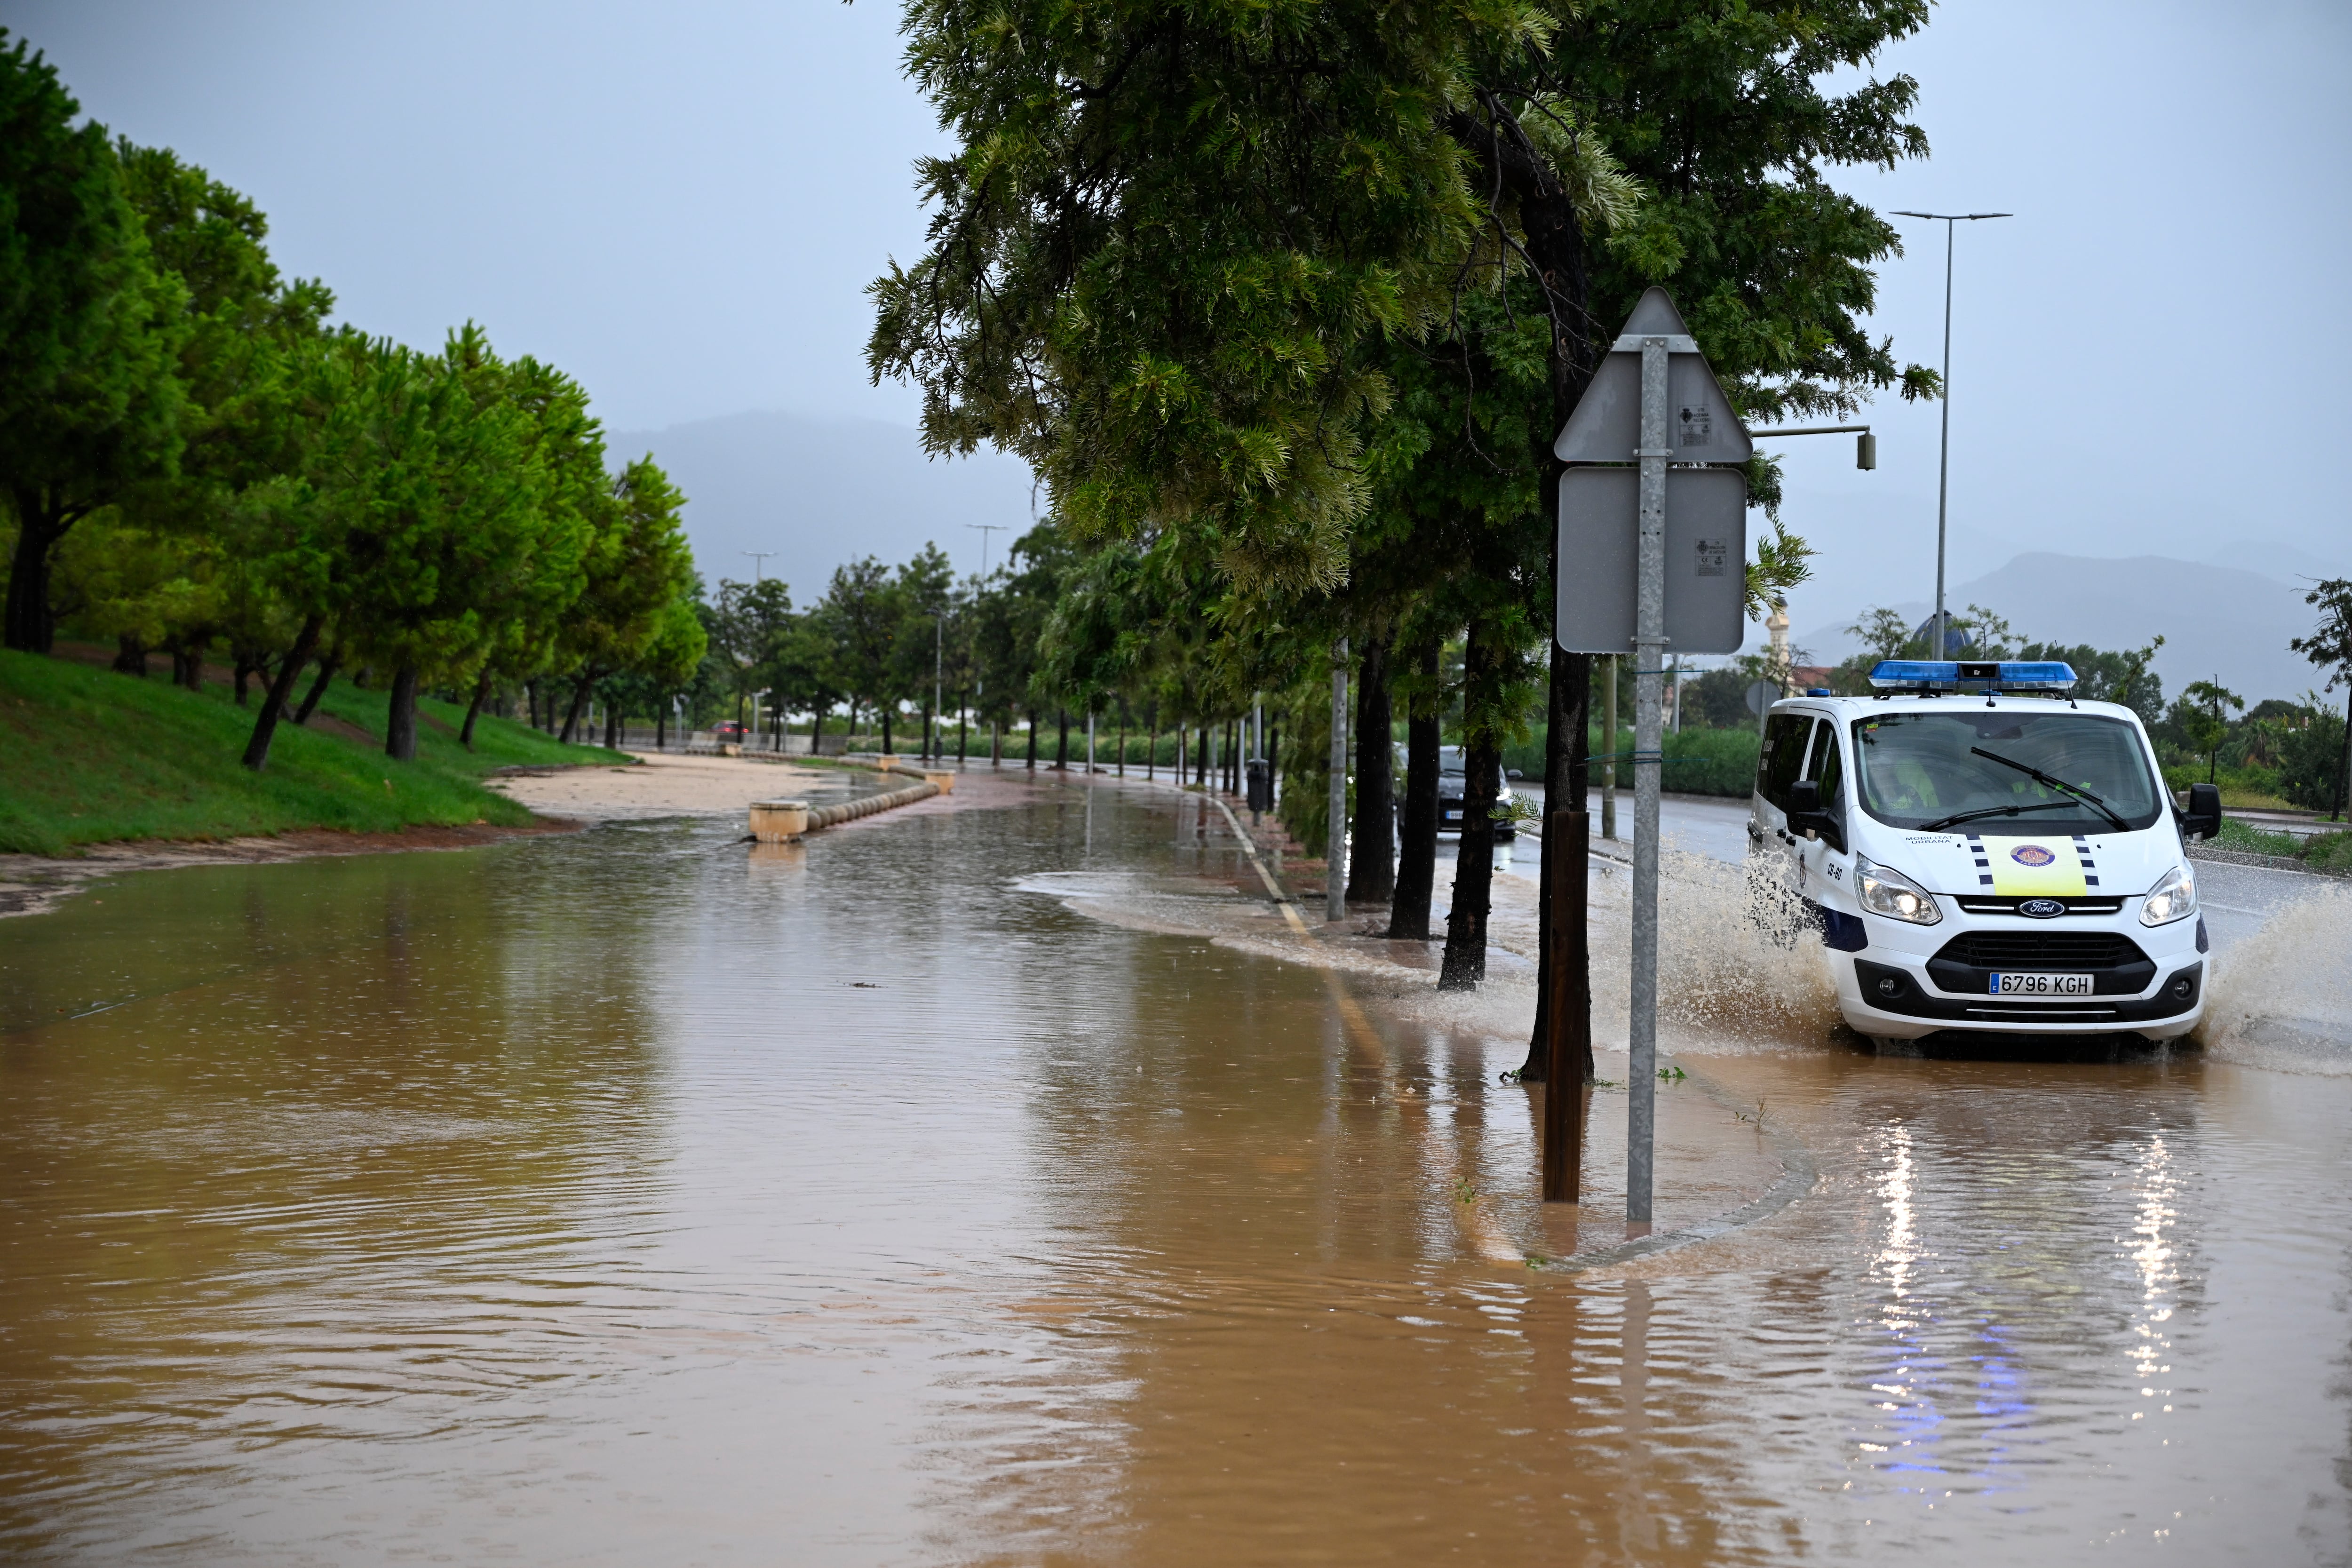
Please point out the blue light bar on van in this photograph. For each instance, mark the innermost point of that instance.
(1971, 675)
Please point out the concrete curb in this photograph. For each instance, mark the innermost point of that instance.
(851, 810)
(2265, 862)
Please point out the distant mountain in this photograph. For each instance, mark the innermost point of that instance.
(815, 492)
(2217, 620)
(2287, 563)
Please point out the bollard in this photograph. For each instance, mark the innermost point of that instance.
(1569, 1016)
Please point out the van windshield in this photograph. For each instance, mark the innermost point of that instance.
(1932, 769)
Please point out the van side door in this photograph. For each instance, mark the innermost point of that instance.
(1780, 763)
(1827, 858)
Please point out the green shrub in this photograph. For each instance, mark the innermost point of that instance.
(1698, 762)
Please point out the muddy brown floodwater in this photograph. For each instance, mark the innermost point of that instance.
(635, 1197)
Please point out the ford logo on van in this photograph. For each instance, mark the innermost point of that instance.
(2042, 908)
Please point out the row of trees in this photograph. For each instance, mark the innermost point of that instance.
(1285, 305)
(193, 459)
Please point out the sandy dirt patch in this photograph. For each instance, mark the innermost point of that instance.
(659, 785)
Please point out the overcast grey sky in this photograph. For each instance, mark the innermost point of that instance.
(680, 204)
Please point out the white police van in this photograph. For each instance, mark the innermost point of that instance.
(1981, 851)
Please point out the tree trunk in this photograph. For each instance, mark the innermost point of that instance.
(473, 708)
(1032, 741)
(29, 626)
(1151, 744)
(243, 672)
(1568, 760)
(963, 727)
(1061, 741)
(130, 656)
(613, 735)
(572, 714)
(264, 723)
(661, 725)
(188, 667)
(1372, 854)
(400, 719)
(887, 708)
(1122, 738)
(1555, 246)
(317, 689)
(1416, 874)
(1464, 963)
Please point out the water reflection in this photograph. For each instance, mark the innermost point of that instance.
(645, 1197)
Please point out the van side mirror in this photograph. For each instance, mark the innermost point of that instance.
(2203, 817)
(1806, 817)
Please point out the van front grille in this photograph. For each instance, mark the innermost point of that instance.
(2073, 950)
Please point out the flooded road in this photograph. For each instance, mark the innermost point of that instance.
(644, 1198)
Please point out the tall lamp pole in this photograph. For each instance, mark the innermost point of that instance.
(985, 530)
(1944, 462)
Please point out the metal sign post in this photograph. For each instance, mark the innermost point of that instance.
(1682, 534)
(1649, 741)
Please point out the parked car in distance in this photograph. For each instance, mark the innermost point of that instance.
(728, 730)
(1453, 781)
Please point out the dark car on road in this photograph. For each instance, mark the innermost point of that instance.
(1451, 784)
(728, 730)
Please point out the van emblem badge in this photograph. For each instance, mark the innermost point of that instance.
(2032, 854)
(2042, 908)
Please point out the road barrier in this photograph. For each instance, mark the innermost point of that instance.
(783, 821)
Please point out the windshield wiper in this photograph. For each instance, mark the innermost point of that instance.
(1941, 823)
(2055, 783)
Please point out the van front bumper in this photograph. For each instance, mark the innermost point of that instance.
(1897, 994)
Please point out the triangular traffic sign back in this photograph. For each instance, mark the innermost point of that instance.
(1655, 316)
(1701, 427)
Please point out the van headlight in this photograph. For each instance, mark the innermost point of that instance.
(2173, 899)
(1893, 894)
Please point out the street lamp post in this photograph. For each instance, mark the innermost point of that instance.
(1944, 461)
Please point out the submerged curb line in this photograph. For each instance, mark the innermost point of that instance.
(1280, 894)
(1798, 1176)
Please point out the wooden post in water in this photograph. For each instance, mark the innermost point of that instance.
(1566, 841)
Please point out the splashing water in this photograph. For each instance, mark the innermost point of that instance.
(1738, 972)
(2282, 998)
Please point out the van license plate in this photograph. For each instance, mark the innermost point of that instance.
(2042, 985)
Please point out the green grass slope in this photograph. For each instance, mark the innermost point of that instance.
(87, 756)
